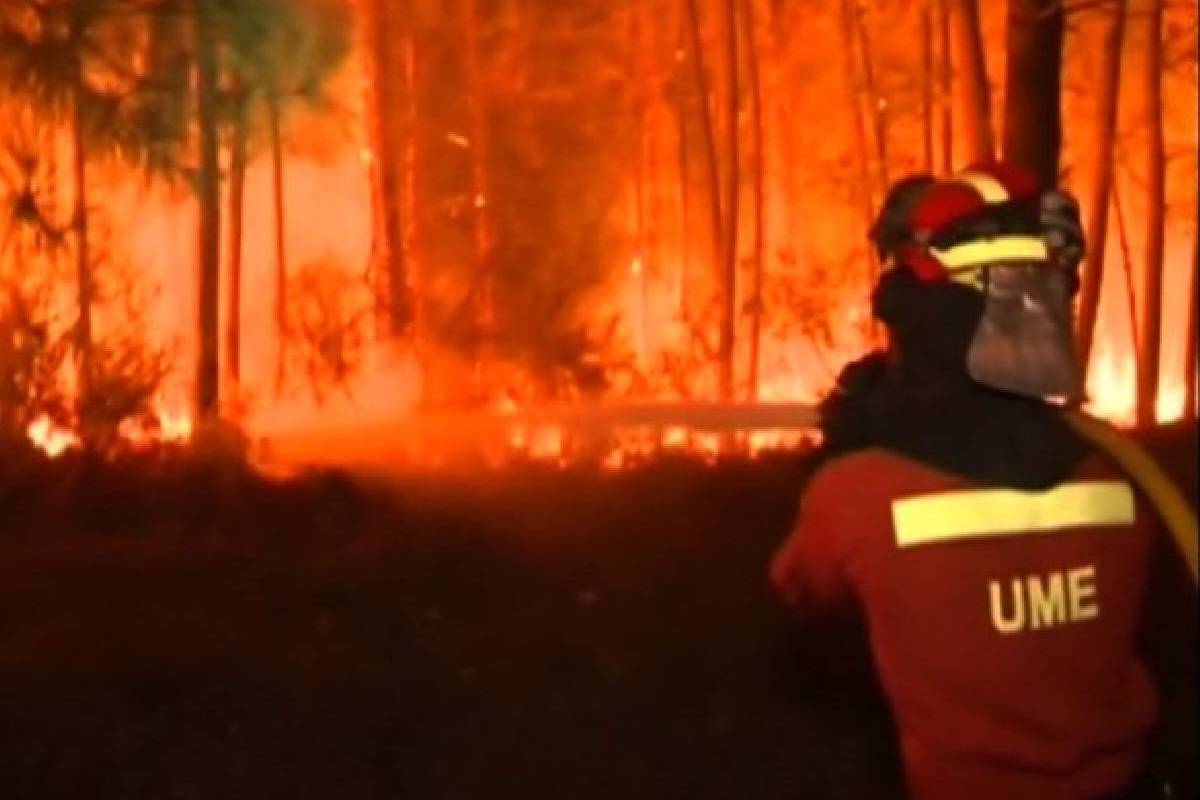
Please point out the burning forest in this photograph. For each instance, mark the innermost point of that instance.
(403, 398)
(286, 215)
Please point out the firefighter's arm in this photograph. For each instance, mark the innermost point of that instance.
(808, 571)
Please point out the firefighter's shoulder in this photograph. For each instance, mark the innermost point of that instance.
(854, 472)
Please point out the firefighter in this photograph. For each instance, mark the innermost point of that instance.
(1000, 560)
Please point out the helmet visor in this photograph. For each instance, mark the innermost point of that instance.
(1024, 341)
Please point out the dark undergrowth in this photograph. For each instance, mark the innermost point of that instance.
(178, 627)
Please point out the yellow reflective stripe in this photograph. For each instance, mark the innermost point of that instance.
(989, 187)
(991, 251)
(975, 513)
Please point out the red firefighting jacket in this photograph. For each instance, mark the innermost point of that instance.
(1002, 622)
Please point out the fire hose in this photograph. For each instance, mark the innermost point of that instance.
(1174, 510)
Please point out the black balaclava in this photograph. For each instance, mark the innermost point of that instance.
(916, 398)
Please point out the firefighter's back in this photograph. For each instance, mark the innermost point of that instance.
(1003, 624)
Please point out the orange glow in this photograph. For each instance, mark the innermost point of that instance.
(50, 438)
(653, 309)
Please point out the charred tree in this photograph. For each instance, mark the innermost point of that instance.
(83, 265)
(926, 22)
(1189, 349)
(237, 194)
(733, 190)
(208, 185)
(754, 70)
(974, 90)
(485, 277)
(854, 98)
(406, 295)
(685, 210)
(384, 102)
(708, 135)
(875, 100)
(1032, 114)
(640, 90)
(274, 128)
(1151, 316)
(946, 86)
(1097, 224)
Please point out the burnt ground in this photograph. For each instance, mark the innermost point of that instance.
(170, 629)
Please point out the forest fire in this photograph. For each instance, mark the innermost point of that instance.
(372, 253)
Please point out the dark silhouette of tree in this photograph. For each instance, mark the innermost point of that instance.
(1104, 140)
(208, 194)
(709, 138)
(1150, 340)
(71, 61)
(1033, 86)
(389, 42)
(973, 83)
(1189, 350)
(283, 54)
(754, 67)
(945, 86)
(732, 193)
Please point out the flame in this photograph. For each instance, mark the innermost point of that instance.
(50, 438)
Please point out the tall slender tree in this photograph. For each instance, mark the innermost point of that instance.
(753, 48)
(484, 283)
(1189, 349)
(76, 32)
(708, 135)
(876, 102)
(208, 191)
(382, 22)
(282, 54)
(238, 145)
(1107, 94)
(974, 89)
(732, 194)
(945, 86)
(1151, 316)
(855, 90)
(927, 77)
(1032, 117)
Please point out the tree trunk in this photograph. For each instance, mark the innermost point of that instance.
(685, 212)
(927, 86)
(1097, 228)
(237, 194)
(753, 51)
(875, 101)
(946, 92)
(1151, 338)
(207, 375)
(1189, 349)
(1131, 294)
(640, 89)
(384, 103)
(406, 304)
(1032, 114)
(855, 90)
(974, 89)
(281, 267)
(83, 264)
(732, 188)
(709, 139)
(485, 278)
